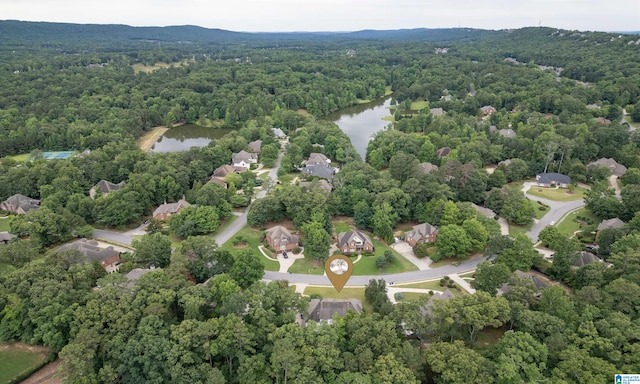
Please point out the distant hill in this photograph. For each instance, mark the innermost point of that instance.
(23, 33)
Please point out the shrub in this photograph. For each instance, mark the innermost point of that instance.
(296, 250)
(421, 250)
(431, 293)
(442, 282)
(316, 296)
(381, 262)
(447, 278)
(399, 296)
(239, 240)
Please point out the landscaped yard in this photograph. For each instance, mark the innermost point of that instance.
(515, 229)
(4, 224)
(367, 264)
(308, 266)
(252, 237)
(345, 293)
(537, 211)
(558, 194)
(19, 359)
(570, 223)
(20, 158)
(342, 226)
(411, 296)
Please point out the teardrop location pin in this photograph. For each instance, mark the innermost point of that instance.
(339, 269)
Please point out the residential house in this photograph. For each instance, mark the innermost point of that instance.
(442, 152)
(428, 167)
(586, 258)
(226, 169)
(484, 211)
(280, 239)
(324, 184)
(278, 133)
(255, 146)
(488, 110)
(165, 210)
(614, 223)
(437, 111)
(539, 283)
(105, 188)
(549, 179)
(19, 204)
(244, 159)
(508, 133)
(108, 257)
(593, 106)
(323, 310)
(218, 180)
(318, 165)
(604, 121)
(6, 237)
(616, 168)
(446, 295)
(421, 233)
(354, 241)
(135, 274)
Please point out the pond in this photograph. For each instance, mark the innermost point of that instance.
(184, 137)
(362, 121)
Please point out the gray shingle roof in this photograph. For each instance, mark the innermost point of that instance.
(553, 178)
(325, 309)
(422, 230)
(18, 202)
(616, 168)
(344, 238)
(281, 236)
(611, 224)
(90, 249)
(171, 207)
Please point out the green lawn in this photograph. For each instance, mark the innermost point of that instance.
(367, 264)
(345, 293)
(20, 158)
(253, 237)
(515, 229)
(558, 194)
(286, 179)
(4, 224)
(307, 266)
(411, 296)
(418, 105)
(342, 226)
(16, 360)
(537, 211)
(570, 224)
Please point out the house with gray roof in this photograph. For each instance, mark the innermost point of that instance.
(437, 111)
(585, 258)
(538, 283)
(244, 159)
(488, 110)
(167, 209)
(446, 295)
(614, 223)
(615, 168)
(484, 211)
(318, 165)
(422, 233)
(218, 180)
(322, 183)
(442, 152)
(19, 204)
(278, 133)
(255, 146)
(226, 169)
(427, 167)
(6, 237)
(354, 241)
(316, 158)
(508, 133)
(105, 187)
(108, 257)
(323, 310)
(549, 179)
(280, 239)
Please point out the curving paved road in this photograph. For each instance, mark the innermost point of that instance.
(557, 210)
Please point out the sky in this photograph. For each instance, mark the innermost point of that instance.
(334, 15)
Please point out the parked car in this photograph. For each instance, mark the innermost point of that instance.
(284, 254)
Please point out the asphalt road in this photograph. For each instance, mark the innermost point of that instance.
(557, 211)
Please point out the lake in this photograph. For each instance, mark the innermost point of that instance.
(184, 137)
(362, 121)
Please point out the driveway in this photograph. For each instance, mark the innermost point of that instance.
(405, 250)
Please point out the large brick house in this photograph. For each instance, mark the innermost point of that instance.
(422, 233)
(354, 241)
(165, 210)
(108, 257)
(280, 239)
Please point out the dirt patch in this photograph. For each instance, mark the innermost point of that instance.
(149, 139)
(240, 246)
(45, 375)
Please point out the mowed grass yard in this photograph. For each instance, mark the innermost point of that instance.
(18, 359)
(570, 223)
(367, 264)
(345, 293)
(4, 223)
(558, 194)
(253, 237)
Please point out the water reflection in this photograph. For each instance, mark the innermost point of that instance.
(186, 136)
(362, 121)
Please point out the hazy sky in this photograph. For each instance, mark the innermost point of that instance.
(334, 15)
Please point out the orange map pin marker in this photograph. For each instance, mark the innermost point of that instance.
(339, 269)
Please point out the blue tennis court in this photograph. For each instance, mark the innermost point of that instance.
(58, 155)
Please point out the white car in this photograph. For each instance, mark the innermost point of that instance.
(553, 222)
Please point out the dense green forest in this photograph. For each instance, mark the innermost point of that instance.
(204, 316)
